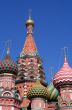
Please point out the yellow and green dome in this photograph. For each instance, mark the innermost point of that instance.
(53, 92)
(38, 90)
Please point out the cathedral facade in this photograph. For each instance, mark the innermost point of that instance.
(23, 85)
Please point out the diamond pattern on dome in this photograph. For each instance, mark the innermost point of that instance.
(8, 65)
(38, 90)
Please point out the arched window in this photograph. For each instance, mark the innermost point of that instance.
(7, 93)
(64, 104)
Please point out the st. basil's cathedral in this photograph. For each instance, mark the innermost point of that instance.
(23, 85)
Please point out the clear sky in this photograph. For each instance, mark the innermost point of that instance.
(53, 29)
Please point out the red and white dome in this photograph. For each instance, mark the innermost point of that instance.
(63, 76)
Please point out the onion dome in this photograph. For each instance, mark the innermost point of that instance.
(1, 66)
(63, 76)
(38, 90)
(53, 92)
(29, 22)
(8, 65)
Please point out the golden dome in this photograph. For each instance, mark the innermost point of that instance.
(29, 22)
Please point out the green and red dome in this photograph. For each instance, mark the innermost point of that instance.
(8, 65)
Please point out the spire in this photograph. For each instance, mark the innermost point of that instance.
(29, 23)
(8, 51)
(65, 64)
(29, 46)
(8, 45)
(65, 55)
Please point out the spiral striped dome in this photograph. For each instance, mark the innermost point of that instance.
(38, 90)
(63, 76)
(53, 92)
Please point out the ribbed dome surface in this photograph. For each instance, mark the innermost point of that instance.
(8, 66)
(53, 92)
(38, 90)
(1, 65)
(63, 76)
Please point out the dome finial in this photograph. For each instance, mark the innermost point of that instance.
(29, 22)
(8, 51)
(65, 55)
(30, 13)
(8, 44)
(64, 51)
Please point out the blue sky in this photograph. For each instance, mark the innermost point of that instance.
(53, 29)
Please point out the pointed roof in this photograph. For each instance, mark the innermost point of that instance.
(29, 46)
(64, 75)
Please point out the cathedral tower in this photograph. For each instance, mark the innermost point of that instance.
(30, 67)
(9, 96)
(39, 95)
(63, 82)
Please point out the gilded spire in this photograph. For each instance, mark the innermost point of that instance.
(29, 23)
(29, 46)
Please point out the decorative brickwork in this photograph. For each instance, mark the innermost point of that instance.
(23, 85)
